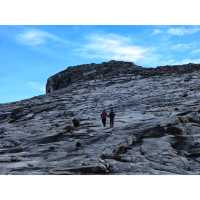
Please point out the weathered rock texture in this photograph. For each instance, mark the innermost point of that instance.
(87, 72)
(157, 126)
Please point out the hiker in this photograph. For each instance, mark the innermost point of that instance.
(103, 117)
(112, 117)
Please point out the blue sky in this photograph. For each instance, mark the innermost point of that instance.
(30, 54)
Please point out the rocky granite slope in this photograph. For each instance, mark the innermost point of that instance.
(157, 127)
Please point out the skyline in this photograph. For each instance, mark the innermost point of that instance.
(31, 54)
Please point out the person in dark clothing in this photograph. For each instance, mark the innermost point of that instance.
(112, 117)
(103, 117)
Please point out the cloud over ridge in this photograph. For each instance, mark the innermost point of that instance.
(112, 46)
(37, 37)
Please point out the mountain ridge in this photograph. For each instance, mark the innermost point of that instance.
(110, 69)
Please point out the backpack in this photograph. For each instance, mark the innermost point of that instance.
(103, 115)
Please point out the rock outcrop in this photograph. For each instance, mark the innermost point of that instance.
(110, 70)
(157, 125)
(89, 72)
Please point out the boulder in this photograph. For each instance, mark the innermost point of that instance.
(76, 122)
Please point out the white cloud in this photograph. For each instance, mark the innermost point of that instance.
(186, 61)
(182, 46)
(192, 60)
(156, 31)
(177, 31)
(112, 46)
(195, 51)
(38, 87)
(180, 31)
(35, 37)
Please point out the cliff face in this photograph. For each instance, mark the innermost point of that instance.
(89, 72)
(110, 70)
(156, 128)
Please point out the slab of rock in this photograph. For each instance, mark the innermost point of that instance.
(157, 126)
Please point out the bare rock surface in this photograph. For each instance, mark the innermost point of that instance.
(157, 126)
